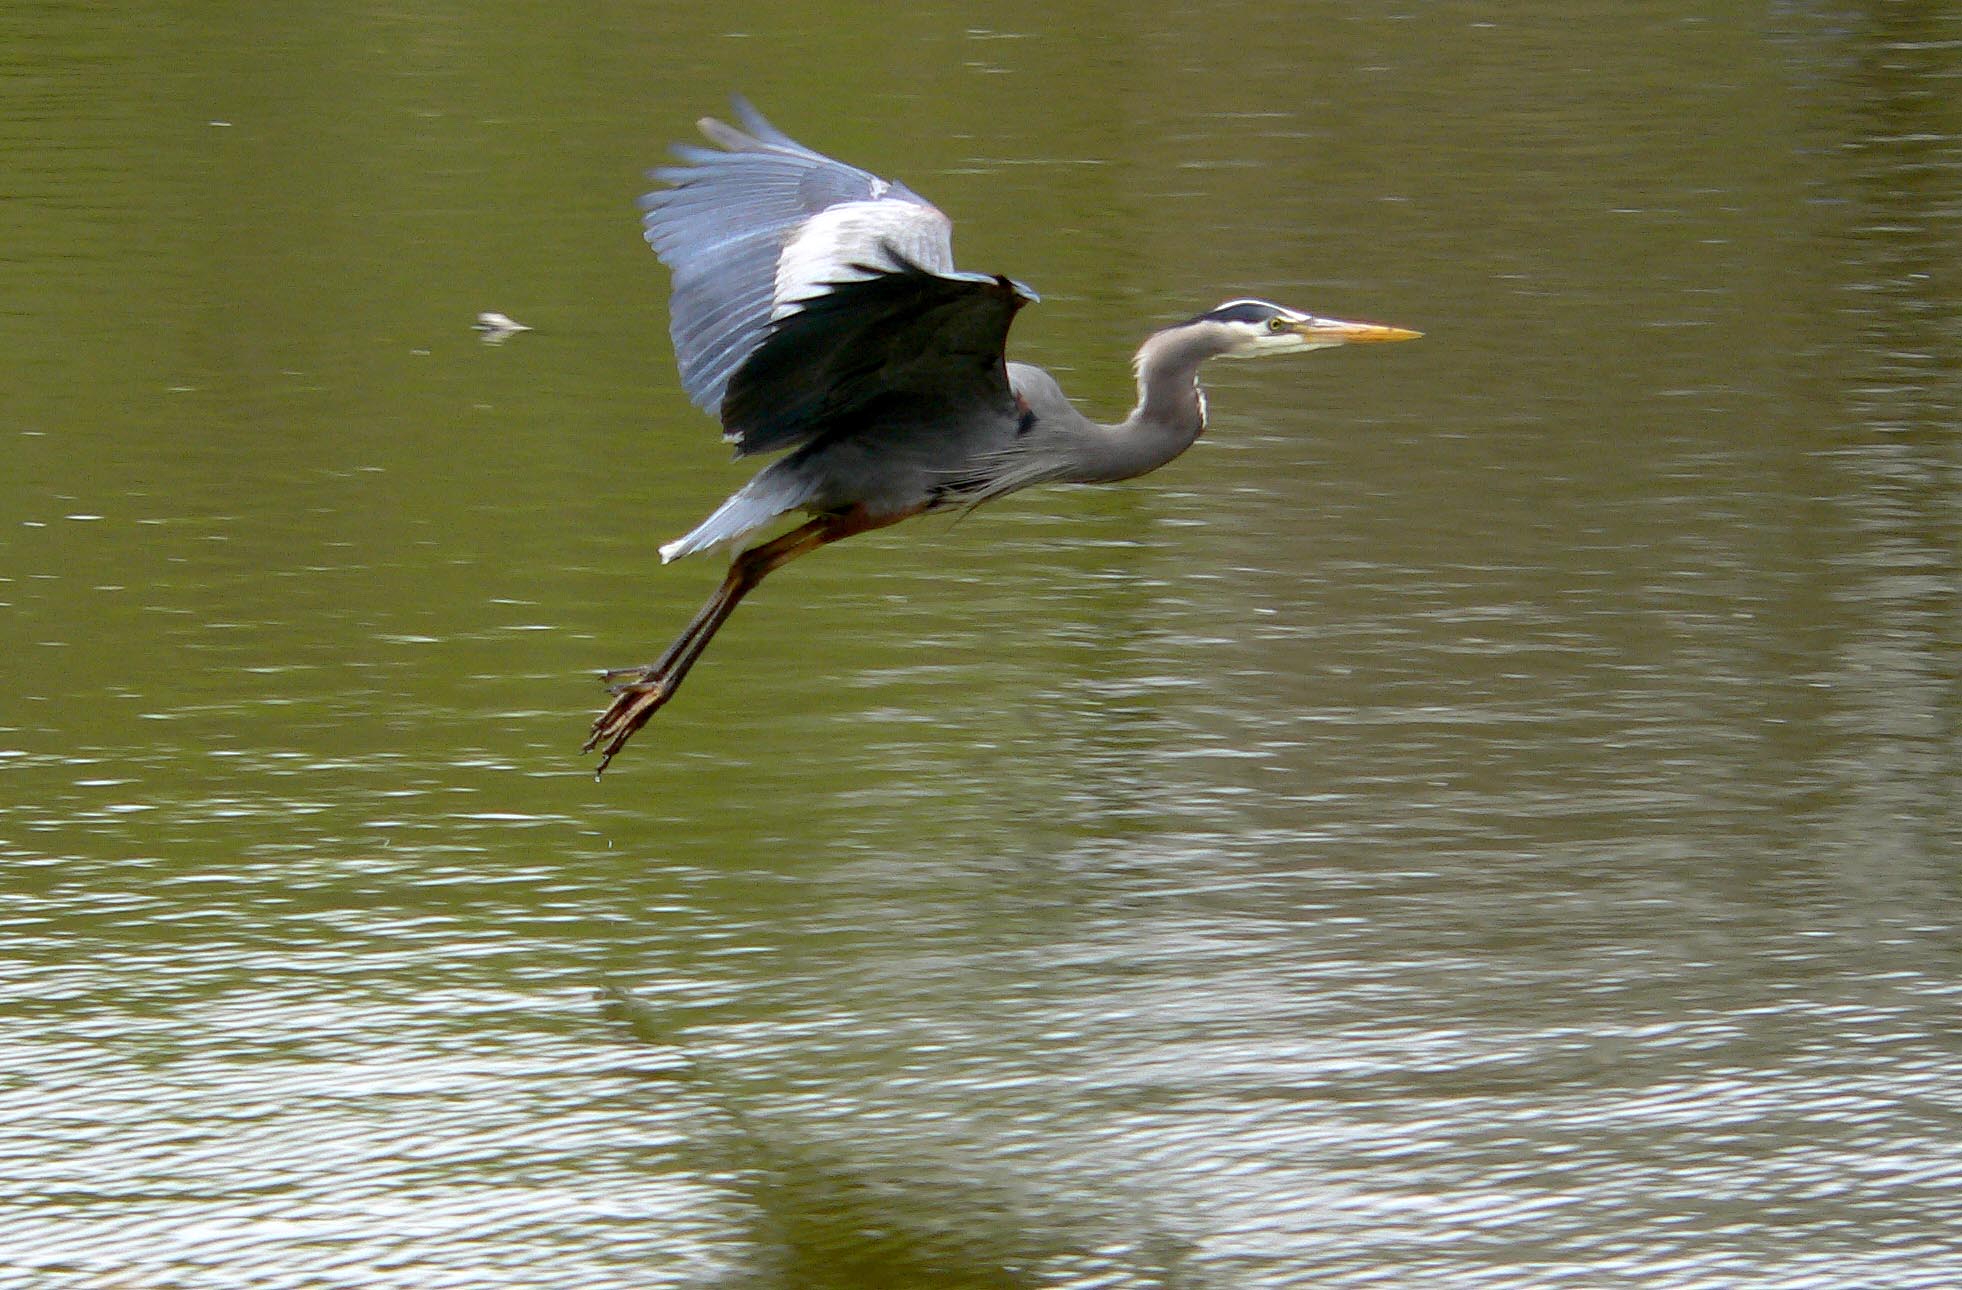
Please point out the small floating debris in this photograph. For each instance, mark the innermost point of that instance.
(497, 328)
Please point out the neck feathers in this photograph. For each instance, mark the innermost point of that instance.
(1169, 397)
(1171, 413)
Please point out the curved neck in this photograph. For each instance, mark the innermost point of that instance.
(1170, 415)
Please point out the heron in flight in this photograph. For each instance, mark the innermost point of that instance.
(818, 313)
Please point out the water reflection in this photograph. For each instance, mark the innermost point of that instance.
(1491, 827)
(1897, 199)
(892, 1205)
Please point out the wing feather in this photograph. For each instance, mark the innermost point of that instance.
(749, 232)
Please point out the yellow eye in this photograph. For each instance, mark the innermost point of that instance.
(1277, 323)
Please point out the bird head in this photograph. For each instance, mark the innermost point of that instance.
(1255, 328)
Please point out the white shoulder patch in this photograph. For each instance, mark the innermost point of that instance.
(829, 246)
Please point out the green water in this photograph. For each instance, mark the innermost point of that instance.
(1485, 817)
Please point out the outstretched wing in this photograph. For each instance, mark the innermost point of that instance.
(755, 230)
(904, 343)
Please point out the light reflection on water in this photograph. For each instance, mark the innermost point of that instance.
(1502, 837)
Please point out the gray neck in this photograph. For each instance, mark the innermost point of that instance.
(1170, 415)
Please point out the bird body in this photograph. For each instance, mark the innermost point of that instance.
(818, 313)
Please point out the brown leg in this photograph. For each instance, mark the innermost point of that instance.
(639, 692)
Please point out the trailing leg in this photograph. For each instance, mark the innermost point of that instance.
(640, 692)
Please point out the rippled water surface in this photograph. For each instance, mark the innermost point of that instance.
(1487, 817)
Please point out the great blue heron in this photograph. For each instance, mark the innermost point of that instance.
(818, 312)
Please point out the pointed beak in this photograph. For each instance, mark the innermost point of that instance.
(1333, 331)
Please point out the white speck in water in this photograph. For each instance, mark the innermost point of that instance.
(496, 327)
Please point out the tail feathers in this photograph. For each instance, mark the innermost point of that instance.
(751, 508)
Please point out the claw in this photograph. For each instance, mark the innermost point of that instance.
(633, 703)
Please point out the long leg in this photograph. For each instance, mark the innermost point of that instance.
(640, 692)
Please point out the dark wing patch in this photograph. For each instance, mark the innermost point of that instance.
(896, 337)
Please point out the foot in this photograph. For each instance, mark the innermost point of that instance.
(633, 703)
